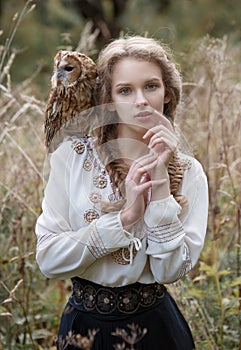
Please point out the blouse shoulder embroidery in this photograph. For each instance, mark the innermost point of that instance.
(87, 165)
(187, 164)
(78, 146)
(186, 161)
(100, 181)
(95, 197)
(90, 215)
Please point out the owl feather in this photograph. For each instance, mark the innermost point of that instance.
(72, 85)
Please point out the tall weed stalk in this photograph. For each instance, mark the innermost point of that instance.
(211, 117)
(25, 313)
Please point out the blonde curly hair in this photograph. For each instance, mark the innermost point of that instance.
(147, 49)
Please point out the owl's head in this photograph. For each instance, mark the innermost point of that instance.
(71, 67)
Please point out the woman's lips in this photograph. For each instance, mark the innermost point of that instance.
(144, 115)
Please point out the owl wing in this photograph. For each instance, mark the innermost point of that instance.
(53, 120)
(71, 93)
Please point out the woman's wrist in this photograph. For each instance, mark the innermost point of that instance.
(126, 219)
(161, 191)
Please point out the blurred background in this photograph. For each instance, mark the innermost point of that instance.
(205, 36)
(56, 24)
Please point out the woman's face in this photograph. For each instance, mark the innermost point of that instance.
(137, 90)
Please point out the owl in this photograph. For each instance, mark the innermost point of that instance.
(72, 85)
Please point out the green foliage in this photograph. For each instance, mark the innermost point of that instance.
(210, 119)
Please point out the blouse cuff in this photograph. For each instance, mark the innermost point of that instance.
(107, 235)
(164, 211)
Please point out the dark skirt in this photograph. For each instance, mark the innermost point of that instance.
(132, 317)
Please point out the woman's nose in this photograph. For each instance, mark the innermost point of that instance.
(141, 99)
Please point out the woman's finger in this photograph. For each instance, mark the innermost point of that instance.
(163, 122)
(142, 165)
(163, 140)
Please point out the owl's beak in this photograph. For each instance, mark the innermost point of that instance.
(60, 74)
(57, 78)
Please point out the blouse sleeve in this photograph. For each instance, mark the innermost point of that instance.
(61, 251)
(174, 244)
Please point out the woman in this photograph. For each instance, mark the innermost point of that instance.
(124, 211)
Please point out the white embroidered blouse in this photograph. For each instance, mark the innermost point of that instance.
(75, 239)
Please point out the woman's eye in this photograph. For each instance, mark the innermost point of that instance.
(151, 86)
(125, 91)
(68, 68)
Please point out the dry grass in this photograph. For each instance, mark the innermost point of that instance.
(211, 120)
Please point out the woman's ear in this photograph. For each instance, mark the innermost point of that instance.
(167, 97)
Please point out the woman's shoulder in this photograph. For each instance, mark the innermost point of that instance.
(75, 145)
(191, 164)
(71, 150)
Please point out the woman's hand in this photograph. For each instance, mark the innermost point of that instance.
(138, 182)
(162, 141)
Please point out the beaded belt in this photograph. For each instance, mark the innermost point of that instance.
(89, 296)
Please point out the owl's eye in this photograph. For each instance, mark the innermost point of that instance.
(68, 68)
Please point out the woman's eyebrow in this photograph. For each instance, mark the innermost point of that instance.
(122, 84)
(129, 83)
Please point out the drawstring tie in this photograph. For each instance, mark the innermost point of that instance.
(135, 242)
